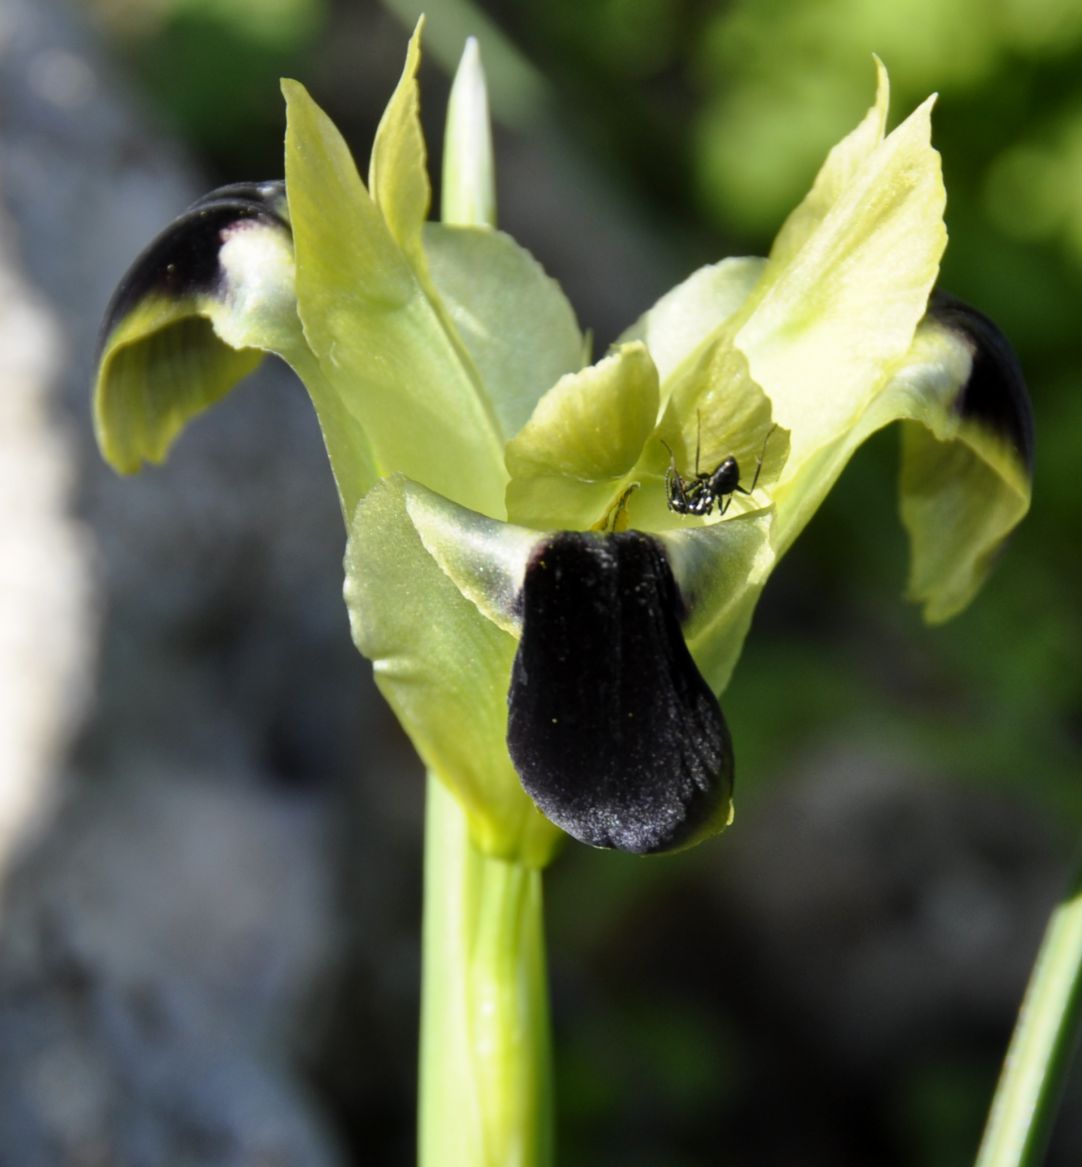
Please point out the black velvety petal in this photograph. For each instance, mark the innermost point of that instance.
(183, 260)
(995, 394)
(614, 733)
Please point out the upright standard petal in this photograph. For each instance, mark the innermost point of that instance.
(691, 314)
(834, 315)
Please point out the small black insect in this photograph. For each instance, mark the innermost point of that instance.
(698, 494)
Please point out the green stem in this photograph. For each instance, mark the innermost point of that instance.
(486, 1098)
(1039, 1056)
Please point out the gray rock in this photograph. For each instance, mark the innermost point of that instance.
(184, 717)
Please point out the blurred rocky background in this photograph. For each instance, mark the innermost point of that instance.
(210, 826)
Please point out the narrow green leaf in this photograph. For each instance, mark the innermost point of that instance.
(397, 175)
(486, 1070)
(469, 172)
(1045, 1040)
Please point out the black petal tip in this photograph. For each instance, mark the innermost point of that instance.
(995, 394)
(613, 732)
(182, 260)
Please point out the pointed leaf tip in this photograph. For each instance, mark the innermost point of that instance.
(469, 170)
(397, 173)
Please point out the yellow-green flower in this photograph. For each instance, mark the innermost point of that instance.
(537, 535)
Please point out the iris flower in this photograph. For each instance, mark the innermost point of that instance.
(470, 438)
(551, 563)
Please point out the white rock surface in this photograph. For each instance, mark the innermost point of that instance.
(48, 629)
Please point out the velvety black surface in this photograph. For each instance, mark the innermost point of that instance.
(995, 394)
(613, 731)
(183, 260)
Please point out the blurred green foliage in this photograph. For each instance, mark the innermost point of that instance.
(211, 67)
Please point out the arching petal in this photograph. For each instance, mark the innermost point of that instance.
(720, 571)
(967, 454)
(193, 315)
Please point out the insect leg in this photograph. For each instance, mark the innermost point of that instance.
(674, 484)
(758, 463)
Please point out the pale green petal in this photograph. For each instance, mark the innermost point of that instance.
(397, 174)
(963, 486)
(828, 323)
(720, 570)
(840, 169)
(443, 667)
(958, 509)
(400, 375)
(689, 314)
(571, 460)
(157, 372)
(716, 411)
(484, 557)
(711, 407)
(514, 320)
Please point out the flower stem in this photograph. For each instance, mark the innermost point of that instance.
(486, 1097)
(1039, 1056)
